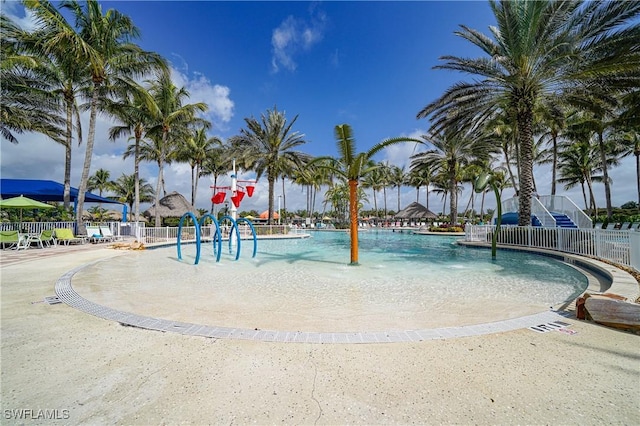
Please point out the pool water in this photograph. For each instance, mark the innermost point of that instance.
(403, 281)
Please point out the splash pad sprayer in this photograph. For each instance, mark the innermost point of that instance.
(234, 231)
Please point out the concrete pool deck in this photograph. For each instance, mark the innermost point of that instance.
(84, 369)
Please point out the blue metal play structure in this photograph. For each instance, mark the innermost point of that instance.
(216, 239)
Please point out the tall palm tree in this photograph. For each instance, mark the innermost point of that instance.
(421, 175)
(538, 48)
(100, 180)
(267, 147)
(398, 178)
(130, 189)
(133, 112)
(352, 167)
(450, 152)
(103, 44)
(195, 150)
(578, 164)
(172, 121)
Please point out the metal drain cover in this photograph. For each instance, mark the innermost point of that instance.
(52, 300)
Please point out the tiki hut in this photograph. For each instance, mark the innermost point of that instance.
(415, 211)
(171, 205)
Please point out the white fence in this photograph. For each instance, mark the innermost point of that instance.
(169, 234)
(622, 247)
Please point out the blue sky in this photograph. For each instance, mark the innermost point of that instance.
(365, 63)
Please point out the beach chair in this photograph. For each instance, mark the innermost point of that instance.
(45, 237)
(106, 233)
(625, 226)
(635, 226)
(65, 236)
(9, 239)
(598, 226)
(94, 235)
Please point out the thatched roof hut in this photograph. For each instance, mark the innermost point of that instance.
(171, 205)
(415, 211)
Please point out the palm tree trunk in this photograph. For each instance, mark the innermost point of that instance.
(136, 180)
(605, 174)
(375, 202)
(284, 197)
(353, 215)
(272, 182)
(525, 121)
(82, 188)
(158, 188)
(453, 196)
(384, 193)
(554, 165)
(193, 185)
(67, 157)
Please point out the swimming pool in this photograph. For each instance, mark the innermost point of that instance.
(404, 282)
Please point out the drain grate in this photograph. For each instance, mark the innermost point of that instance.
(549, 326)
(52, 300)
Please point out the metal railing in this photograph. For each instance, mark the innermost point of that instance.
(612, 245)
(540, 211)
(564, 205)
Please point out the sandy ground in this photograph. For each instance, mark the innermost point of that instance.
(59, 362)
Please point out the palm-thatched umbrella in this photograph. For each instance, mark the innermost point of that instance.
(415, 211)
(171, 205)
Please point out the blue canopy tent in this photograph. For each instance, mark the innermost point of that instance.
(48, 190)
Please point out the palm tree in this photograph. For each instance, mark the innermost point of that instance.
(217, 163)
(352, 167)
(577, 165)
(450, 153)
(267, 147)
(131, 189)
(373, 180)
(134, 115)
(195, 150)
(171, 122)
(630, 141)
(28, 105)
(419, 176)
(100, 180)
(102, 43)
(539, 48)
(397, 178)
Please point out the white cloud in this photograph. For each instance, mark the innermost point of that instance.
(216, 96)
(18, 14)
(295, 35)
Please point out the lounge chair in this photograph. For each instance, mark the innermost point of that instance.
(625, 226)
(635, 226)
(94, 235)
(45, 237)
(9, 239)
(598, 225)
(65, 236)
(106, 233)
